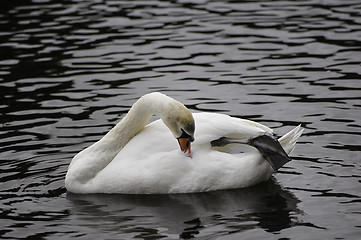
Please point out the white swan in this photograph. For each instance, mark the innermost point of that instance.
(135, 158)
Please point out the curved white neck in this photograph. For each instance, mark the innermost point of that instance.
(136, 119)
(93, 159)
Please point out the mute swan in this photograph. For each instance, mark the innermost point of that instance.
(136, 158)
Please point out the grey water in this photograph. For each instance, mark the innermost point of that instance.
(70, 70)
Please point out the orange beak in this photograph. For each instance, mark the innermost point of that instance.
(185, 146)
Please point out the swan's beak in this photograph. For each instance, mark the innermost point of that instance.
(185, 146)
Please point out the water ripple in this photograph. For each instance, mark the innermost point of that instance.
(69, 70)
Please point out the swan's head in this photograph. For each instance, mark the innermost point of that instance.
(180, 122)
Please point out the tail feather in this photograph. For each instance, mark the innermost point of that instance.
(289, 140)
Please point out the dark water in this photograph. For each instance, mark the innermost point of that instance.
(70, 69)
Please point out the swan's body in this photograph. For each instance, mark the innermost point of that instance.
(132, 158)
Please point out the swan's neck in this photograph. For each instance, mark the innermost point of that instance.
(135, 120)
(93, 159)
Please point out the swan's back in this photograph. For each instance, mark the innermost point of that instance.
(211, 126)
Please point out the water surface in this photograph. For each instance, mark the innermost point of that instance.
(69, 70)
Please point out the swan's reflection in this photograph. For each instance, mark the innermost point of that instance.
(266, 205)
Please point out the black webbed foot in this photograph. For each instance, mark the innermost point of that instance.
(271, 150)
(265, 143)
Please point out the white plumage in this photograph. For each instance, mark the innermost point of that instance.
(151, 162)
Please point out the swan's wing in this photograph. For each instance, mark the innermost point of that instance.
(212, 126)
